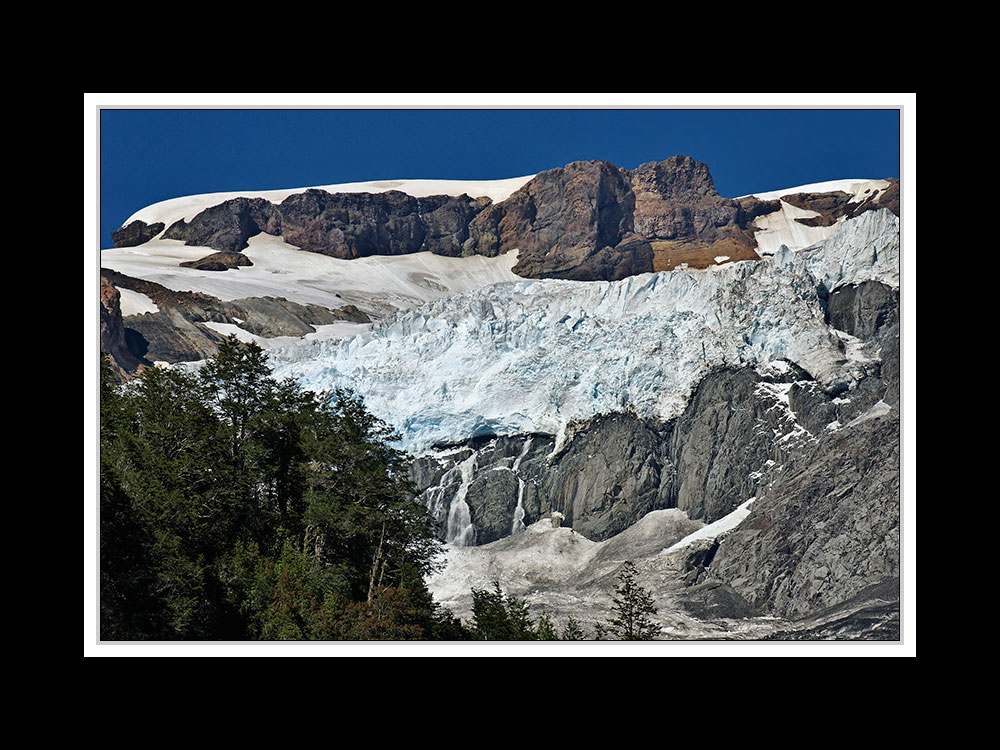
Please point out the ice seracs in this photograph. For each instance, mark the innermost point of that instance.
(532, 356)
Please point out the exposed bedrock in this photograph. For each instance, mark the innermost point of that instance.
(227, 226)
(592, 220)
(870, 312)
(589, 220)
(177, 332)
(352, 225)
(218, 262)
(114, 335)
(567, 223)
(822, 529)
(342, 225)
(135, 233)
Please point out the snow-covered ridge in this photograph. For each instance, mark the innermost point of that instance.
(531, 356)
(377, 282)
(781, 228)
(858, 189)
(187, 207)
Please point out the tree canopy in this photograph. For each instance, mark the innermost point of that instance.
(239, 507)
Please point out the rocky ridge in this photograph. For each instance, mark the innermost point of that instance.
(585, 221)
(179, 330)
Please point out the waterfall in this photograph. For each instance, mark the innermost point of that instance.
(519, 510)
(461, 532)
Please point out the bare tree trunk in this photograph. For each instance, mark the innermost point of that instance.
(375, 564)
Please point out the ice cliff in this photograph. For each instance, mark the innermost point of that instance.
(535, 355)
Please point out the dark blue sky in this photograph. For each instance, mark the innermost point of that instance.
(149, 155)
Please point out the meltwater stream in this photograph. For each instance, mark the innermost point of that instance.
(519, 510)
(461, 532)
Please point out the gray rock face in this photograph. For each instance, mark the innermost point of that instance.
(823, 528)
(730, 429)
(618, 467)
(610, 475)
(870, 615)
(503, 474)
(864, 309)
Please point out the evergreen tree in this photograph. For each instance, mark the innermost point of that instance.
(235, 506)
(545, 630)
(572, 630)
(499, 617)
(633, 606)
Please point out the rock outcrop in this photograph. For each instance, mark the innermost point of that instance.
(616, 468)
(823, 528)
(838, 206)
(574, 222)
(592, 220)
(612, 473)
(177, 332)
(686, 221)
(353, 225)
(113, 334)
(227, 226)
(135, 233)
(342, 225)
(218, 262)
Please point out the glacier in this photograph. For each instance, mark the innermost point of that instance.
(536, 356)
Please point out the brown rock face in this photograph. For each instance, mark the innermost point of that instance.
(218, 262)
(135, 233)
(589, 220)
(592, 220)
(227, 226)
(679, 211)
(113, 341)
(831, 207)
(574, 222)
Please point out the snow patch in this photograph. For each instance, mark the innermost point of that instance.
(877, 410)
(780, 229)
(715, 530)
(135, 303)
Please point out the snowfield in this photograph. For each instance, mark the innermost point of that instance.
(377, 283)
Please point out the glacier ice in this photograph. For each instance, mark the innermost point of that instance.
(865, 248)
(535, 355)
